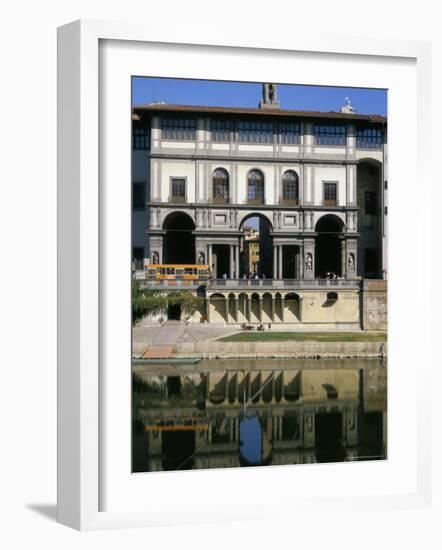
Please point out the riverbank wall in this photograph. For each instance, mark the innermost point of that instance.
(225, 350)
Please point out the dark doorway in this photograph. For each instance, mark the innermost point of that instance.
(328, 428)
(179, 241)
(328, 246)
(174, 312)
(221, 260)
(290, 262)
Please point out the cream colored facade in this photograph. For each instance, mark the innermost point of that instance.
(305, 237)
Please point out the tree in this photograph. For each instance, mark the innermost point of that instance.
(146, 301)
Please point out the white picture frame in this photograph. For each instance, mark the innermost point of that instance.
(83, 297)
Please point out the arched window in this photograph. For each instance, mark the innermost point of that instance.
(290, 188)
(220, 181)
(255, 187)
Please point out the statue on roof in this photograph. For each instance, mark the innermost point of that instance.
(348, 107)
(269, 96)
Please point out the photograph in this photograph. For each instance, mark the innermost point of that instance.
(259, 274)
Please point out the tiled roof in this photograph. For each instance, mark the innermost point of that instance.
(205, 109)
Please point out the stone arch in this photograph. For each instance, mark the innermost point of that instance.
(329, 229)
(179, 239)
(292, 307)
(265, 242)
(279, 307)
(254, 308)
(267, 308)
(218, 308)
(231, 308)
(243, 314)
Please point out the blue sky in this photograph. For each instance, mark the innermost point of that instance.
(240, 94)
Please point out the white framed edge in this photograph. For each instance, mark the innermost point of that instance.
(78, 476)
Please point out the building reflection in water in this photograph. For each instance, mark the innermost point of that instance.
(214, 415)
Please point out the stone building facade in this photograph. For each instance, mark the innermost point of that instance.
(316, 181)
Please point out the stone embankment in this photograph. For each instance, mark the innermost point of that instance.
(342, 350)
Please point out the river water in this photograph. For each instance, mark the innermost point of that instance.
(258, 412)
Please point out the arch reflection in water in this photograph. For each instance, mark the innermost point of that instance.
(224, 413)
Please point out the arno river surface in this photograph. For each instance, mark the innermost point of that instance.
(258, 412)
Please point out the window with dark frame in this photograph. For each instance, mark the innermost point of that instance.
(370, 203)
(220, 181)
(290, 188)
(251, 131)
(138, 198)
(178, 190)
(290, 133)
(369, 138)
(255, 187)
(178, 128)
(330, 134)
(140, 137)
(220, 130)
(330, 193)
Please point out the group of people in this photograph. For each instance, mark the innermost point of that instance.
(245, 276)
(261, 327)
(253, 275)
(330, 275)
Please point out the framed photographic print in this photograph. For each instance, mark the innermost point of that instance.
(231, 222)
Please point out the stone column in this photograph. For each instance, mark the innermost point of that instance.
(260, 309)
(301, 262)
(209, 257)
(297, 265)
(247, 307)
(282, 308)
(343, 259)
(237, 261)
(236, 308)
(280, 262)
(301, 300)
(226, 304)
(275, 262)
(208, 308)
(273, 308)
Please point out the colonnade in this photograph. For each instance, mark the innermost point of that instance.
(262, 308)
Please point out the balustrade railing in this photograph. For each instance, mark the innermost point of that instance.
(252, 283)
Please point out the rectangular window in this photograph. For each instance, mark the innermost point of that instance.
(255, 132)
(138, 199)
(178, 190)
(330, 135)
(140, 137)
(220, 130)
(370, 203)
(178, 128)
(330, 193)
(369, 138)
(290, 133)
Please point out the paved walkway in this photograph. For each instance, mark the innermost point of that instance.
(164, 341)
